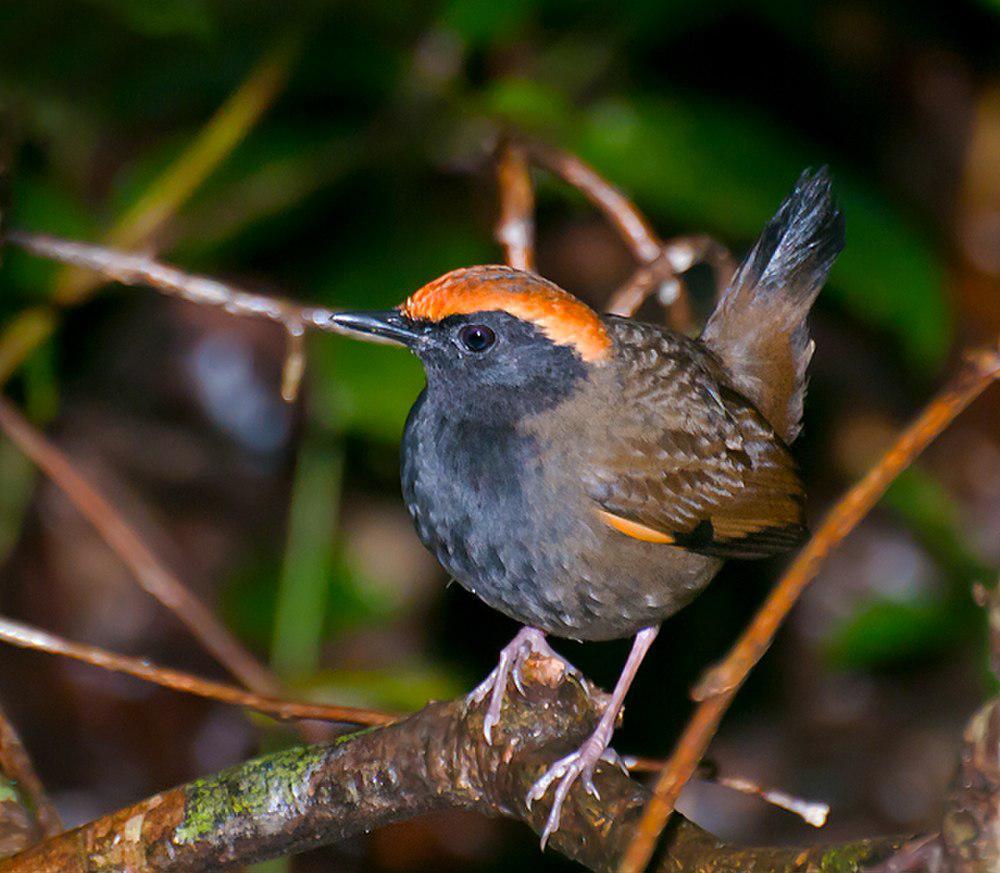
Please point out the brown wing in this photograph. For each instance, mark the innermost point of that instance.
(689, 461)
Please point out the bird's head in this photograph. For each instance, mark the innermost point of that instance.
(494, 336)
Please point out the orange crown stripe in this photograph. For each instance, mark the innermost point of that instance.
(558, 314)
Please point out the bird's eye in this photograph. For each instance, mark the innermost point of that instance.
(477, 337)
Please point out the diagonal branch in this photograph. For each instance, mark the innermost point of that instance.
(27, 637)
(661, 263)
(719, 687)
(147, 569)
(130, 268)
(436, 759)
(632, 226)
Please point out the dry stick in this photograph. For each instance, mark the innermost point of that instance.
(631, 224)
(661, 262)
(813, 812)
(130, 268)
(16, 765)
(718, 689)
(515, 229)
(149, 572)
(662, 277)
(27, 637)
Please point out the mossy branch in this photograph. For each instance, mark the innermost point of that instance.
(435, 759)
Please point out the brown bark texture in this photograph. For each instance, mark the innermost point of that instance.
(435, 759)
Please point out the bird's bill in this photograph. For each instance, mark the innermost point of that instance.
(386, 325)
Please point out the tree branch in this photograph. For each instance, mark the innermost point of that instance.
(27, 637)
(436, 759)
(718, 688)
(26, 814)
(149, 572)
(662, 263)
(130, 268)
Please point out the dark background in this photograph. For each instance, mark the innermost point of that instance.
(367, 173)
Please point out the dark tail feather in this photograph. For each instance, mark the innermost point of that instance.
(758, 329)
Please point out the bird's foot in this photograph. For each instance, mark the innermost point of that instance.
(578, 765)
(529, 641)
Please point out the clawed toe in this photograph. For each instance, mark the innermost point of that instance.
(528, 641)
(563, 773)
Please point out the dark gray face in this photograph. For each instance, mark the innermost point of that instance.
(489, 364)
(491, 359)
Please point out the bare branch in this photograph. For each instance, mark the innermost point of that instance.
(26, 813)
(27, 637)
(662, 263)
(813, 812)
(717, 689)
(436, 759)
(663, 277)
(515, 229)
(147, 569)
(137, 269)
(633, 227)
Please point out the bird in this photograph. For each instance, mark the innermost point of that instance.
(588, 474)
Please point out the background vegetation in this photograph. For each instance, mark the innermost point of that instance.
(341, 153)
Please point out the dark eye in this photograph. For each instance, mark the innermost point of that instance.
(477, 337)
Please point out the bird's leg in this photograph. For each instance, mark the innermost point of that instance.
(581, 763)
(529, 640)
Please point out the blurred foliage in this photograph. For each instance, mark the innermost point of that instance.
(17, 476)
(204, 129)
(917, 626)
(340, 153)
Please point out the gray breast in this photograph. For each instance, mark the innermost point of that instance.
(464, 484)
(521, 537)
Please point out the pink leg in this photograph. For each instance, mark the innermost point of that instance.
(529, 640)
(581, 763)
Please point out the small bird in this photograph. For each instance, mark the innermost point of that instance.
(587, 474)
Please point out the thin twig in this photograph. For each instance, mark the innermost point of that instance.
(148, 570)
(633, 227)
(27, 637)
(515, 229)
(139, 226)
(813, 812)
(719, 687)
(15, 764)
(130, 268)
(661, 263)
(664, 278)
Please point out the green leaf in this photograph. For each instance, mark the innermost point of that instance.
(888, 632)
(482, 21)
(157, 18)
(308, 563)
(17, 474)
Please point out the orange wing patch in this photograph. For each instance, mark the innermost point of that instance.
(558, 314)
(634, 529)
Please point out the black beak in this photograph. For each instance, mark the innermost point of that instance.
(386, 325)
